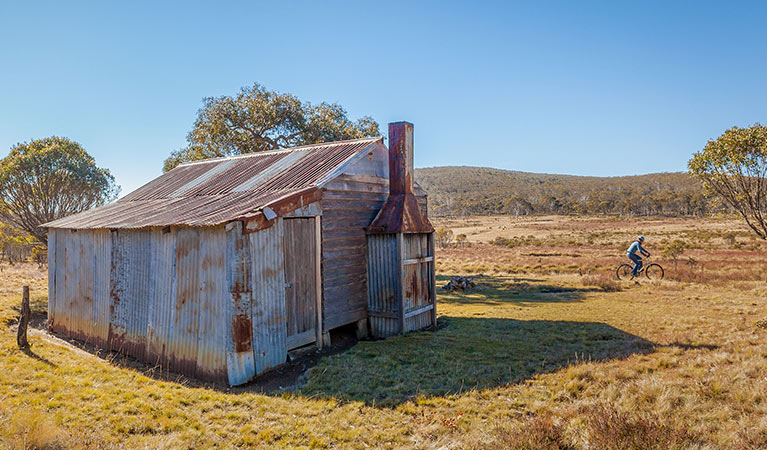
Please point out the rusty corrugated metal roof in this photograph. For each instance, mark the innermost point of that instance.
(215, 191)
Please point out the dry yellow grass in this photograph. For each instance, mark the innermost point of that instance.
(541, 356)
(487, 228)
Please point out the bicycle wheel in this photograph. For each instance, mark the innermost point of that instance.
(624, 272)
(654, 272)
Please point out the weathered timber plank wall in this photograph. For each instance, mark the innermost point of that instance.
(349, 204)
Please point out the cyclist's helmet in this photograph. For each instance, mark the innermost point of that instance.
(640, 238)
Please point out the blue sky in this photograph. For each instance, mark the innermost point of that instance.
(586, 88)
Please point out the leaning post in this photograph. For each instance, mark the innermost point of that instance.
(21, 337)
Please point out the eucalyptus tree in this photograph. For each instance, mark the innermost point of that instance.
(256, 120)
(734, 166)
(47, 179)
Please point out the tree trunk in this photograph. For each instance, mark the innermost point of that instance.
(21, 337)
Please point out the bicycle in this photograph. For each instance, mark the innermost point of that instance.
(652, 271)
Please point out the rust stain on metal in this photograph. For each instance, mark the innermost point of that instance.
(280, 207)
(183, 366)
(401, 213)
(242, 333)
(210, 375)
(116, 340)
(414, 288)
(58, 328)
(240, 269)
(270, 272)
(256, 223)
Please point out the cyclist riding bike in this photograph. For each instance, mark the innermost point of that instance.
(631, 253)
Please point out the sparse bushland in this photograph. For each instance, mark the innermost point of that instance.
(538, 356)
(466, 191)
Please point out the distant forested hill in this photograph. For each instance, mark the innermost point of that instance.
(480, 191)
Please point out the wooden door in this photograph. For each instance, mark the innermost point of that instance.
(301, 274)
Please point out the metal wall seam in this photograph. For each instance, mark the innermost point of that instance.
(182, 353)
(129, 292)
(61, 314)
(268, 305)
(211, 336)
(72, 279)
(161, 308)
(52, 276)
(240, 363)
(140, 278)
(102, 261)
(117, 273)
(86, 287)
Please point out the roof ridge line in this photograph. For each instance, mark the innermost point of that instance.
(282, 150)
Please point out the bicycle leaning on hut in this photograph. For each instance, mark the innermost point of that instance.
(652, 271)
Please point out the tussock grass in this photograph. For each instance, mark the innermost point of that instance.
(603, 281)
(539, 356)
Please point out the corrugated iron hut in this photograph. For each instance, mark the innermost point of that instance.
(218, 268)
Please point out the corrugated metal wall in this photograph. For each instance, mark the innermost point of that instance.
(205, 302)
(153, 294)
(384, 285)
(239, 349)
(401, 292)
(419, 281)
(160, 329)
(129, 290)
(102, 253)
(213, 294)
(268, 285)
(79, 292)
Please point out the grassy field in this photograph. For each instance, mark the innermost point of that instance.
(548, 352)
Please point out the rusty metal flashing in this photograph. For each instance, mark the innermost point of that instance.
(278, 208)
(401, 213)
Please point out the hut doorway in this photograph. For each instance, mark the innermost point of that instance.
(302, 294)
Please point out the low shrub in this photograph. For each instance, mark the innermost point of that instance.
(602, 281)
(610, 428)
(538, 432)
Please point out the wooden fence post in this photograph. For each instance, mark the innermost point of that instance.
(21, 338)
